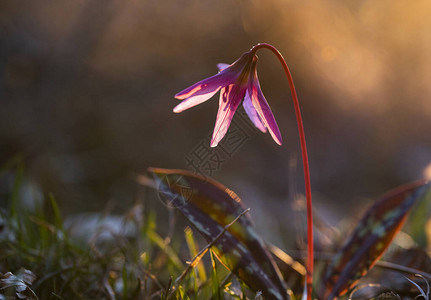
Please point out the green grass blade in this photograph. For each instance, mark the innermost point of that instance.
(172, 256)
(192, 245)
(58, 220)
(215, 284)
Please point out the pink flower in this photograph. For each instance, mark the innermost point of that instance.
(237, 82)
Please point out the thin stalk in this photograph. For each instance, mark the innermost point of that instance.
(204, 250)
(310, 258)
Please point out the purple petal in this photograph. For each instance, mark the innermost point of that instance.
(193, 101)
(230, 98)
(198, 93)
(252, 113)
(203, 90)
(263, 109)
(222, 66)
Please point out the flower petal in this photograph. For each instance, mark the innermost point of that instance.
(252, 113)
(205, 89)
(222, 66)
(230, 98)
(193, 101)
(263, 109)
(200, 92)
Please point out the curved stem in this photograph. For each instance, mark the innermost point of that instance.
(309, 277)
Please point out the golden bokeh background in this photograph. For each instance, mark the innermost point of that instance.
(87, 91)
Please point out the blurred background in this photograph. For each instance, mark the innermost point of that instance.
(87, 90)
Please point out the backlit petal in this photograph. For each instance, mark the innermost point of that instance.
(199, 92)
(252, 113)
(263, 109)
(230, 98)
(222, 66)
(205, 89)
(193, 101)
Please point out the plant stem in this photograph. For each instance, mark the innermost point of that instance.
(309, 276)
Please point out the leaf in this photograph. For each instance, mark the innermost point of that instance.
(370, 239)
(19, 284)
(209, 207)
(416, 223)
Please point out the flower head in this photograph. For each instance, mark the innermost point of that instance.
(238, 83)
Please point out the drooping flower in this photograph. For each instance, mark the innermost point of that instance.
(237, 82)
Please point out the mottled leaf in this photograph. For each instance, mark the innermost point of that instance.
(210, 206)
(370, 239)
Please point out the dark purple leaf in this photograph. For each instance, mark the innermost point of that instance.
(209, 207)
(370, 239)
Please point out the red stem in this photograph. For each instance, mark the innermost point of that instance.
(309, 277)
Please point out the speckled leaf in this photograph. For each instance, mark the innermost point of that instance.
(209, 207)
(370, 239)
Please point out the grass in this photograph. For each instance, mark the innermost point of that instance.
(44, 255)
(100, 256)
